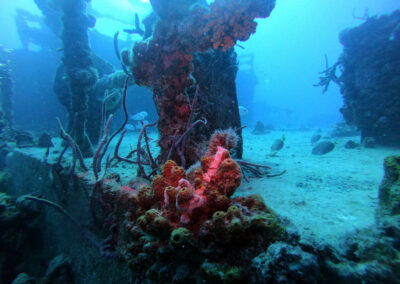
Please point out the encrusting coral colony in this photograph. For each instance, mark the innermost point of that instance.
(188, 219)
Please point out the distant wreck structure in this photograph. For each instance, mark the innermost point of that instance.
(6, 94)
(85, 84)
(370, 77)
(78, 67)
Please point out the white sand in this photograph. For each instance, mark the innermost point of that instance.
(326, 196)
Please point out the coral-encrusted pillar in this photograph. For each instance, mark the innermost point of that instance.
(215, 72)
(166, 63)
(78, 67)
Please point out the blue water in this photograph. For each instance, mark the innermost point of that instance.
(288, 50)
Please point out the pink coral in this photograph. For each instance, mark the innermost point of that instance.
(212, 169)
(189, 199)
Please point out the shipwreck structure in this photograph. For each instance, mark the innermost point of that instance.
(6, 94)
(184, 224)
(370, 77)
(192, 45)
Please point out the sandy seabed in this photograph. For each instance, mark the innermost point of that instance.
(326, 197)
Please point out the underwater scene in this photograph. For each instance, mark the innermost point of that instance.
(199, 141)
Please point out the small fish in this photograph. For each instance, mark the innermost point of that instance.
(130, 127)
(139, 116)
(323, 148)
(112, 100)
(278, 144)
(243, 111)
